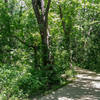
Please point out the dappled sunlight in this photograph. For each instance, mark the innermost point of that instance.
(86, 76)
(89, 77)
(64, 98)
(88, 97)
(85, 87)
(96, 84)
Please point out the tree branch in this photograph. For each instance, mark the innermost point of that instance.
(47, 9)
(36, 10)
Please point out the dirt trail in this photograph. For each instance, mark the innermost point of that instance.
(85, 87)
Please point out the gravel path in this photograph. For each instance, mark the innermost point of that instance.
(85, 87)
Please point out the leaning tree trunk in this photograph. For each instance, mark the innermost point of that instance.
(42, 19)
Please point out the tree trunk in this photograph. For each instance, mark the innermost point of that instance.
(65, 29)
(45, 48)
(6, 1)
(42, 19)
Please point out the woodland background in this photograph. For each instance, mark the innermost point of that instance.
(42, 40)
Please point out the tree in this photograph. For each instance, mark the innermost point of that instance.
(42, 19)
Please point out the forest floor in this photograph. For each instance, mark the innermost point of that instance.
(85, 87)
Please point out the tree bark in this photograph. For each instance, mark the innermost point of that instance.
(6, 1)
(42, 19)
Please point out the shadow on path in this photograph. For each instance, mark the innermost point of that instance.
(85, 87)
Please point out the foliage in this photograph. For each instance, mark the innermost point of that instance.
(22, 72)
